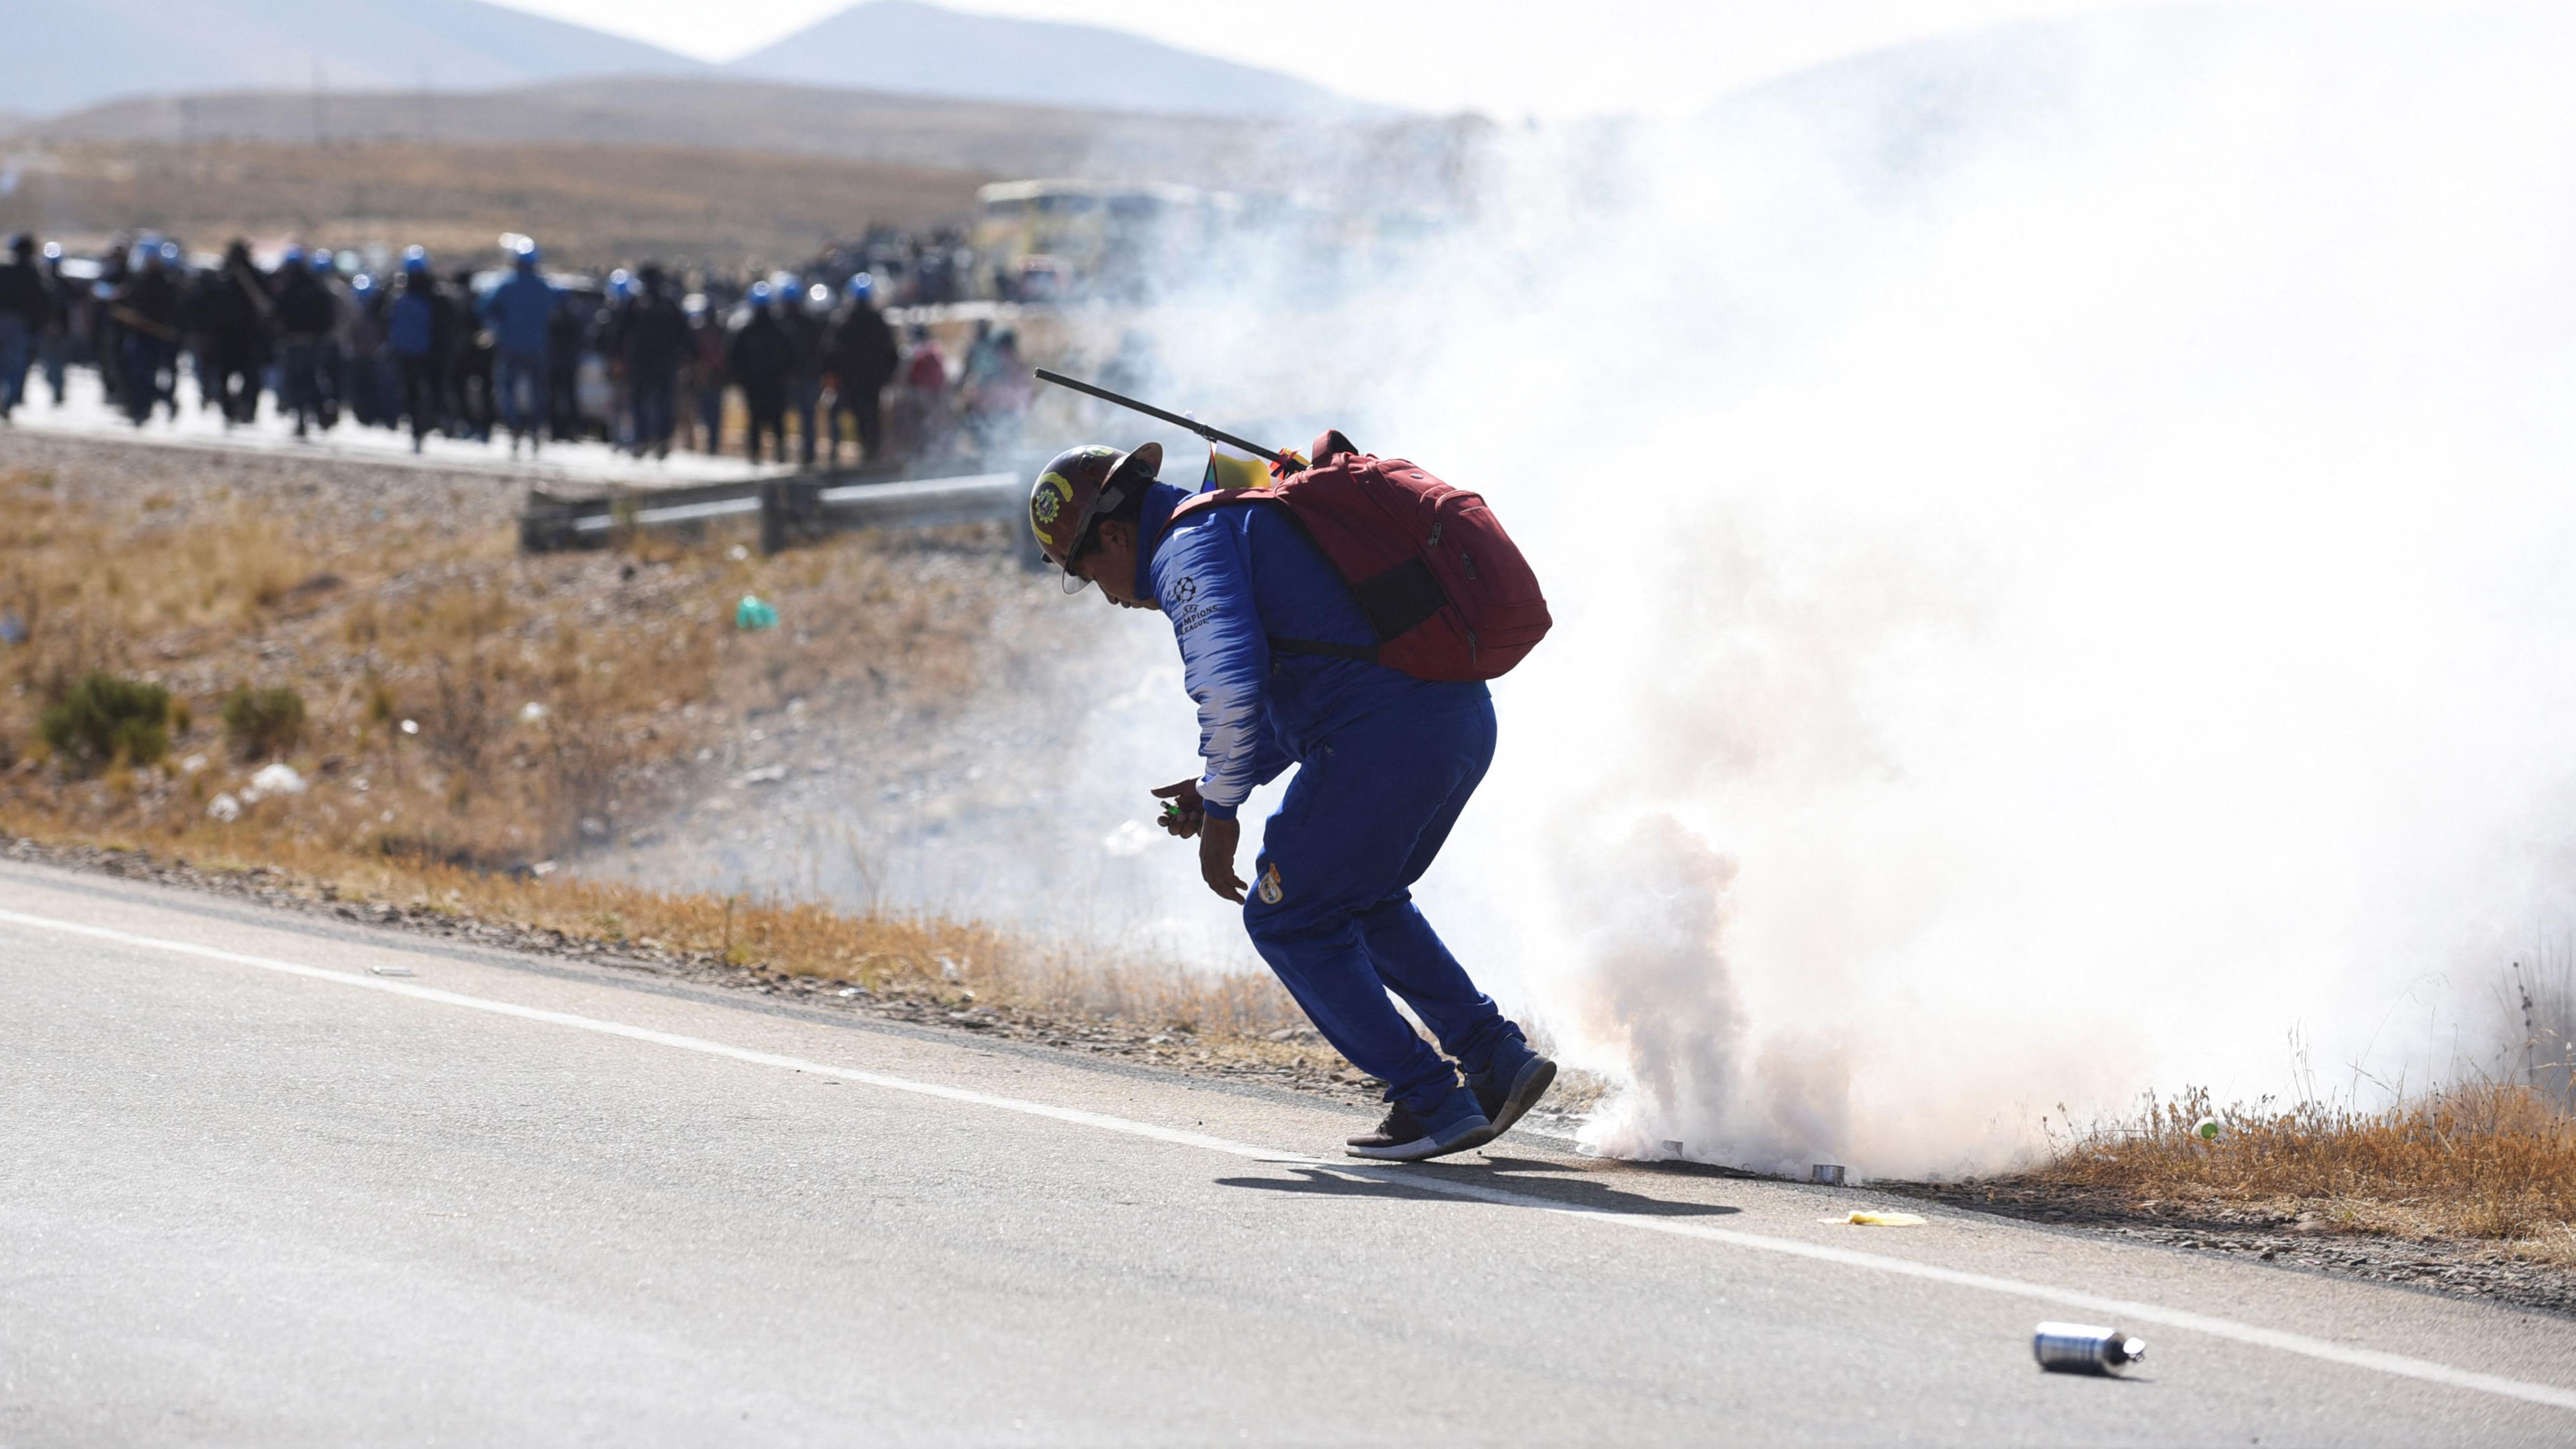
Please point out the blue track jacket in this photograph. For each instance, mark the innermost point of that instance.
(1231, 579)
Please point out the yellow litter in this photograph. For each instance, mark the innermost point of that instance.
(1879, 1220)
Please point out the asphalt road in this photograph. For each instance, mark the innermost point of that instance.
(253, 1192)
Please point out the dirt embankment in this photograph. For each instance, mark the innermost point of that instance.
(597, 204)
(462, 701)
(469, 714)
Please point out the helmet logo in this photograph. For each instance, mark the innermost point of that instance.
(1053, 492)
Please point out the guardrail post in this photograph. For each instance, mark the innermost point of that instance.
(791, 510)
(547, 524)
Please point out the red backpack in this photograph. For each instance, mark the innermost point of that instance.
(1448, 595)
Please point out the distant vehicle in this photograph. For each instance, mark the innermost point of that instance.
(1083, 238)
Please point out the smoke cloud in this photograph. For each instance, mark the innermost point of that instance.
(2059, 542)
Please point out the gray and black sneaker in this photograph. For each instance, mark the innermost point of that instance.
(1512, 1084)
(1404, 1137)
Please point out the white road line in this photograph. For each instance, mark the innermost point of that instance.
(2129, 1312)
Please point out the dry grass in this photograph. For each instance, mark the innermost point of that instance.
(2480, 1161)
(380, 607)
(591, 204)
(378, 616)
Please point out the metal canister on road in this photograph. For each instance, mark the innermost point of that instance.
(2081, 1348)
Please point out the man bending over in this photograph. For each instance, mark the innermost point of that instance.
(1385, 764)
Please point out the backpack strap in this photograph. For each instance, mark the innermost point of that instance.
(1374, 610)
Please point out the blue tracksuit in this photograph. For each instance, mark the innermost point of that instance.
(521, 311)
(1385, 763)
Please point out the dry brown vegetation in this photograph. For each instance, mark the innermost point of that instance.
(592, 204)
(383, 597)
(2489, 1161)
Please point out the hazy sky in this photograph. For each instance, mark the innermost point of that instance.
(1503, 57)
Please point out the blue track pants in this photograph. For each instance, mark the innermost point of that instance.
(1331, 907)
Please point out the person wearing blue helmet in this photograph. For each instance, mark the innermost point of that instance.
(362, 349)
(519, 312)
(54, 344)
(305, 319)
(232, 325)
(414, 322)
(653, 344)
(862, 357)
(25, 309)
(145, 307)
(759, 357)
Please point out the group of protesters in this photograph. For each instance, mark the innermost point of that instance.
(463, 357)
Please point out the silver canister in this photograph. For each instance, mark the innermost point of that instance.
(1826, 1174)
(2081, 1348)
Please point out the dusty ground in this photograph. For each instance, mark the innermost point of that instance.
(596, 204)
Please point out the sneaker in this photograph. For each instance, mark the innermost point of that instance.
(1512, 1084)
(1405, 1137)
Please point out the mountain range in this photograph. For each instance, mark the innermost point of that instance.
(904, 46)
(58, 57)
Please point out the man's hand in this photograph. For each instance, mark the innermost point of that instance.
(1182, 809)
(1217, 842)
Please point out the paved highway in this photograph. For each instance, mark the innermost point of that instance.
(259, 1186)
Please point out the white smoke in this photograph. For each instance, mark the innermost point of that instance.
(2060, 546)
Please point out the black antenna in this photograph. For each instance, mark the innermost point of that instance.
(1175, 419)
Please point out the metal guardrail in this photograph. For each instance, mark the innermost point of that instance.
(791, 510)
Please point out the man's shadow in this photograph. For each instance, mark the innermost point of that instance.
(1545, 1183)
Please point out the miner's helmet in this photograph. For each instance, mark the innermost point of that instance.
(1074, 490)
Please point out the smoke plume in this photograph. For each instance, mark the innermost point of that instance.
(2059, 546)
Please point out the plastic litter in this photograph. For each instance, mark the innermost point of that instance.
(752, 613)
(2206, 1129)
(1864, 1219)
(411, 726)
(765, 775)
(13, 630)
(224, 808)
(274, 778)
(2081, 1348)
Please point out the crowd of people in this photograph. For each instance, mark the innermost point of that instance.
(643, 360)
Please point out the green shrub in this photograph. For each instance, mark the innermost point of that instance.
(102, 719)
(263, 721)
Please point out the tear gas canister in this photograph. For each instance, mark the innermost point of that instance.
(2080, 1348)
